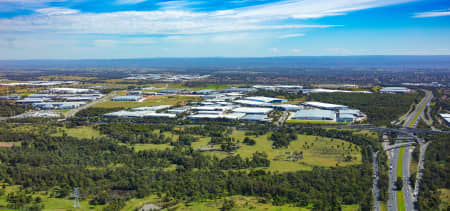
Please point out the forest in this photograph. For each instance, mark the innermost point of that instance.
(436, 174)
(110, 173)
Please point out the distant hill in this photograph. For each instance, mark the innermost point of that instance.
(398, 62)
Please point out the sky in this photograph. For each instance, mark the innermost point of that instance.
(108, 29)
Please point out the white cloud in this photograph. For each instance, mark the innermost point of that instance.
(129, 1)
(53, 11)
(175, 19)
(296, 51)
(292, 35)
(432, 14)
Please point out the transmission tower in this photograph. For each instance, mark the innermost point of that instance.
(76, 200)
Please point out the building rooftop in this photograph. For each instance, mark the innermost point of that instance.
(324, 105)
(252, 110)
(253, 117)
(314, 113)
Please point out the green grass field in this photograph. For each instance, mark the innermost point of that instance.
(400, 199)
(80, 132)
(242, 203)
(152, 101)
(317, 151)
(417, 115)
(445, 198)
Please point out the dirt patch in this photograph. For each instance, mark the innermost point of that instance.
(6, 144)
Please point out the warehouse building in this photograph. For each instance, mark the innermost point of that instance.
(31, 100)
(10, 97)
(229, 116)
(212, 108)
(135, 93)
(179, 110)
(314, 115)
(287, 107)
(395, 90)
(70, 90)
(58, 105)
(266, 99)
(154, 108)
(127, 98)
(445, 118)
(326, 106)
(251, 103)
(256, 118)
(249, 110)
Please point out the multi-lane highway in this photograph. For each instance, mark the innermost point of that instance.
(408, 193)
(376, 190)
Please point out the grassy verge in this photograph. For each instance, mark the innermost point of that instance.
(150, 101)
(417, 115)
(80, 132)
(445, 198)
(400, 199)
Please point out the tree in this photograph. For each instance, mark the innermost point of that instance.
(399, 183)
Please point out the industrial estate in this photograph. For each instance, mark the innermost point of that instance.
(168, 129)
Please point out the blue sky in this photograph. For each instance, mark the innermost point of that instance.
(90, 29)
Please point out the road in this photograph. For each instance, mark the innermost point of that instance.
(407, 189)
(375, 189)
(411, 121)
(392, 201)
(423, 149)
(72, 112)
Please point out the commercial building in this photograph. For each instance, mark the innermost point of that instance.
(251, 110)
(127, 98)
(307, 91)
(229, 116)
(154, 108)
(445, 118)
(239, 90)
(134, 93)
(179, 110)
(251, 103)
(70, 90)
(287, 107)
(314, 115)
(256, 118)
(31, 100)
(212, 108)
(266, 99)
(395, 90)
(10, 97)
(326, 106)
(58, 105)
(205, 92)
(138, 114)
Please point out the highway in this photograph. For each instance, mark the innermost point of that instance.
(72, 112)
(407, 189)
(392, 201)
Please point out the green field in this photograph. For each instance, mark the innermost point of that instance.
(242, 203)
(151, 101)
(400, 199)
(318, 151)
(80, 132)
(445, 198)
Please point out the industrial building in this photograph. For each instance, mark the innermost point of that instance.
(31, 100)
(154, 108)
(127, 98)
(326, 106)
(266, 99)
(70, 90)
(10, 97)
(58, 105)
(314, 115)
(212, 108)
(179, 110)
(134, 93)
(287, 107)
(445, 118)
(307, 91)
(395, 90)
(286, 88)
(205, 92)
(256, 118)
(229, 116)
(138, 114)
(250, 110)
(251, 103)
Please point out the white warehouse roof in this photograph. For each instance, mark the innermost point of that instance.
(325, 105)
(249, 110)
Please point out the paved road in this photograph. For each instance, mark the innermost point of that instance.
(398, 145)
(392, 201)
(407, 189)
(423, 149)
(375, 189)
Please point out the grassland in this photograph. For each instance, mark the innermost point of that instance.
(317, 151)
(242, 203)
(80, 132)
(151, 101)
(400, 199)
(445, 199)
